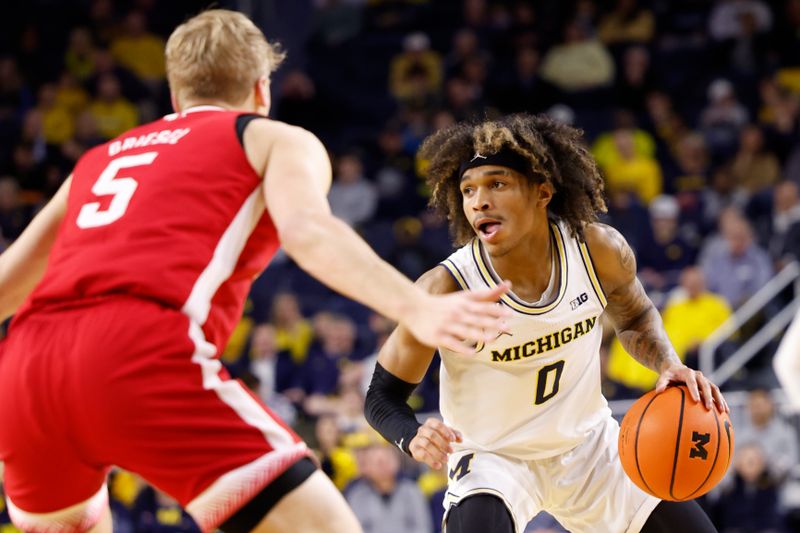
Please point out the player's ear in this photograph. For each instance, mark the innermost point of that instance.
(544, 194)
(263, 95)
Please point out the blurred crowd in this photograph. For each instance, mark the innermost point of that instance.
(690, 108)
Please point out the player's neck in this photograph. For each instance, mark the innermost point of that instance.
(527, 265)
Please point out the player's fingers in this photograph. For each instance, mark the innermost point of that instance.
(719, 399)
(493, 294)
(661, 384)
(431, 450)
(476, 315)
(443, 429)
(705, 389)
(438, 439)
(691, 384)
(468, 333)
(455, 345)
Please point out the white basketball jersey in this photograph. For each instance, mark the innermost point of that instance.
(533, 393)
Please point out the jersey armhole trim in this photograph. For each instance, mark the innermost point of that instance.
(455, 273)
(588, 264)
(241, 124)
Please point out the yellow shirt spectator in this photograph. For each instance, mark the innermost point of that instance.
(639, 175)
(629, 170)
(688, 320)
(138, 50)
(114, 118)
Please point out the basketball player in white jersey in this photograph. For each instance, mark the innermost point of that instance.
(787, 363)
(526, 428)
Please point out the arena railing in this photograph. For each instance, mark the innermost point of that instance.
(769, 331)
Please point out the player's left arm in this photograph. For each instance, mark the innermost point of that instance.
(22, 265)
(636, 320)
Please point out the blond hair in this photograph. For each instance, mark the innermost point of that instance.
(218, 55)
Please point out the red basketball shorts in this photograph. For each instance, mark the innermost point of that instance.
(127, 382)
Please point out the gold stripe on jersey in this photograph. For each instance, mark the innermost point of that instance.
(589, 265)
(455, 272)
(515, 303)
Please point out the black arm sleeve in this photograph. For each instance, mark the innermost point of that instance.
(387, 410)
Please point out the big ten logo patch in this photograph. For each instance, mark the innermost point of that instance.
(580, 300)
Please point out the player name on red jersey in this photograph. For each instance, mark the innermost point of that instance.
(153, 138)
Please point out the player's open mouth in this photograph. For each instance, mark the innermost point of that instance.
(487, 228)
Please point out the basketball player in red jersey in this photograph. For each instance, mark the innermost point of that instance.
(128, 283)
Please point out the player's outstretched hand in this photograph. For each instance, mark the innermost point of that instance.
(432, 445)
(699, 386)
(457, 321)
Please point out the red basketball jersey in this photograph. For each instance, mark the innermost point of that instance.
(170, 211)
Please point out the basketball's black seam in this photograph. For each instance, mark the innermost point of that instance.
(677, 445)
(716, 456)
(728, 432)
(636, 443)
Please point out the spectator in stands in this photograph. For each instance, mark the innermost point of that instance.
(335, 22)
(131, 86)
(668, 126)
(336, 460)
(322, 369)
(79, 56)
(275, 371)
(383, 500)
(524, 90)
(629, 22)
(632, 171)
(725, 19)
(293, 333)
(156, 512)
(663, 255)
(723, 118)
(765, 427)
(605, 150)
(396, 184)
(15, 96)
(86, 136)
(71, 95)
(466, 45)
(58, 123)
(635, 80)
(721, 194)
(410, 253)
(416, 65)
(460, 100)
(754, 166)
(140, 51)
(782, 228)
(114, 114)
(627, 214)
(690, 175)
(737, 269)
(353, 198)
(750, 503)
(692, 314)
(612, 388)
(579, 63)
(13, 215)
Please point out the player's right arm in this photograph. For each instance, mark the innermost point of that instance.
(23, 264)
(297, 176)
(402, 363)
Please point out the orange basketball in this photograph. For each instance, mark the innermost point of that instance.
(672, 447)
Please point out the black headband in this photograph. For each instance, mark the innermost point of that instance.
(504, 158)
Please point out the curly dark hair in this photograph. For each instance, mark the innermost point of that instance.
(554, 150)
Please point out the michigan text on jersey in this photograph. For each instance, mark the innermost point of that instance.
(546, 343)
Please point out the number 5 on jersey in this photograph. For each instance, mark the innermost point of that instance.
(108, 184)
